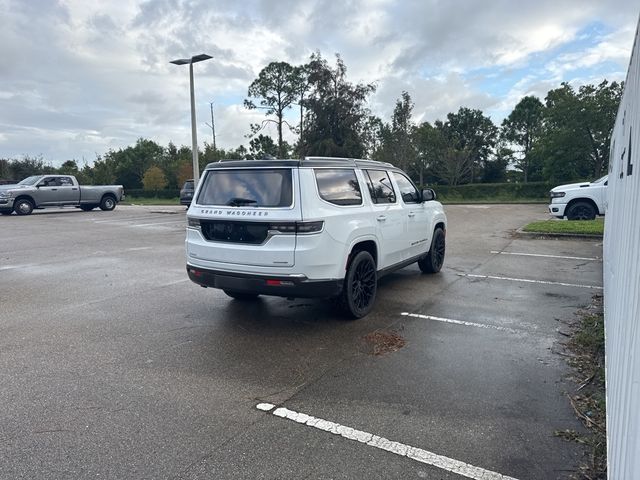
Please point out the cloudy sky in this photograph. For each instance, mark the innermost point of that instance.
(80, 77)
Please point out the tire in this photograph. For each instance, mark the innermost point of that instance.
(360, 286)
(107, 203)
(87, 208)
(23, 206)
(581, 211)
(432, 262)
(241, 295)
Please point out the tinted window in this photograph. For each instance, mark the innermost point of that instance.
(65, 182)
(247, 188)
(380, 187)
(408, 191)
(50, 182)
(339, 186)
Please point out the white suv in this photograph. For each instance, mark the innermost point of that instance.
(317, 227)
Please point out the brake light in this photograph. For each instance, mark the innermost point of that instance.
(297, 227)
(309, 227)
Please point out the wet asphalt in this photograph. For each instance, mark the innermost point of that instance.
(114, 365)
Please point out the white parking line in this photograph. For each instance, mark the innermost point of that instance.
(417, 454)
(526, 280)
(460, 322)
(592, 259)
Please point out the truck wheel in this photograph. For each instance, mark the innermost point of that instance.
(432, 262)
(23, 206)
(581, 211)
(241, 295)
(108, 203)
(360, 285)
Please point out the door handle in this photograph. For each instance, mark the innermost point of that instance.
(54, 189)
(381, 218)
(411, 214)
(74, 188)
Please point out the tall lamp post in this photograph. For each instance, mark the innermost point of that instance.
(194, 136)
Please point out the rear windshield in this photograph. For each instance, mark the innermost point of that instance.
(247, 188)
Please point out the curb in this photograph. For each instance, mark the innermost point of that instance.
(569, 236)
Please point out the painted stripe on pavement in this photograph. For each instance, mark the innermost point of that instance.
(592, 259)
(381, 443)
(526, 280)
(460, 322)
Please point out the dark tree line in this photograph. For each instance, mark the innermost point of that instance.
(564, 137)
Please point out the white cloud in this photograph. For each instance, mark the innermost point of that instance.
(79, 77)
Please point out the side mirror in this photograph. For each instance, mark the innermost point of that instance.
(428, 194)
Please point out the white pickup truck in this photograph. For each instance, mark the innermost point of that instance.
(579, 201)
(41, 191)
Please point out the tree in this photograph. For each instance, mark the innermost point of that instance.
(431, 146)
(132, 162)
(577, 130)
(336, 111)
(523, 128)
(403, 152)
(471, 131)
(454, 167)
(185, 172)
(277, 88)
(263, 146)
(70, 167)
(154, 179)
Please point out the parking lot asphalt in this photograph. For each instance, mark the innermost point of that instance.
(114, 365)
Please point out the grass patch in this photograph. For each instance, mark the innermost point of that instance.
(588, 400)
(577, 227)
(150, 201)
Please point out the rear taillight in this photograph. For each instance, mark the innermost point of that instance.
(193, 222)
(297, 227)
(310, 227)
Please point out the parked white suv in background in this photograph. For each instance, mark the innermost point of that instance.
(316, 227)
(579, 201)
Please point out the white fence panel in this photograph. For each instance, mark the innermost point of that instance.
(622, 283)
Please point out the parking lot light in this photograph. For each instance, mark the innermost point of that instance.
(194, 136)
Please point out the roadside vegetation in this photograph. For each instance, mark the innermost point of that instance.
(150, 201)
(575, 227)
(586, 357)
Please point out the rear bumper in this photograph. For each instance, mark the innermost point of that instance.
(279, 286)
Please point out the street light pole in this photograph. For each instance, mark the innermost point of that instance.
(194, 135)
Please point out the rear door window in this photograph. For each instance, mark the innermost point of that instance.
(339, 186)
(380, 186)
(258, 187)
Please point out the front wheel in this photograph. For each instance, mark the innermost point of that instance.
(23, 207)
(241, 295)
(432, 262)
(360, 286)
(581, 211)
(108, 203)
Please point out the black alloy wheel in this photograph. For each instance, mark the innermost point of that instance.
(432, 262)
(581, 211)
(360, 285)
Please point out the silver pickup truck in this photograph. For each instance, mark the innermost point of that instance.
(40, 191)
